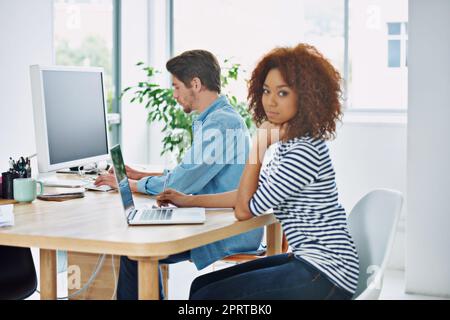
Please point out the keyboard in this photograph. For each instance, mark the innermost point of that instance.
(63, 183)
(92, 186)
(156, 214)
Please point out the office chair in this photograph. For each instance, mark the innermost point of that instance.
(18, 278)
(373, 224)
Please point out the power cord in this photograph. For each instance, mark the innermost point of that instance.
(97, 268)
(115, 278)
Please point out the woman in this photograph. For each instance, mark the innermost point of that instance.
(294, 97)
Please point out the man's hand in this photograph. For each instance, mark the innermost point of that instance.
(131, 173)
(136, 174)
(106, 179)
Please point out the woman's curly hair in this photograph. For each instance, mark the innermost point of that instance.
(317, 86)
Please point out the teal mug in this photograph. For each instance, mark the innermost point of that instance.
(25, 189)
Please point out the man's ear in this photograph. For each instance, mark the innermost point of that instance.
(196, 84)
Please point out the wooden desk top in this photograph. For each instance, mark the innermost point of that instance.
(96, 224)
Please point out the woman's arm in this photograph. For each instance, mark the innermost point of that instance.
(239, 199)
(267, 134)
(218, 200)
(249, 181)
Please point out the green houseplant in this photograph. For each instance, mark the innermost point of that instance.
(161, 106)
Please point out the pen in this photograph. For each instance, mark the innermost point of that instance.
(166, 181)
(164, 188)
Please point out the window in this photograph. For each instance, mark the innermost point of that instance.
(245, 30)
(397, 44)
(84, 36)
(366, 40)
(378, 76)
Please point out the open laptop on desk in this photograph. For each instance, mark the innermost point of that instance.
(148, 216)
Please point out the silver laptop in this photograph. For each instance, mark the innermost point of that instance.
(147, 215)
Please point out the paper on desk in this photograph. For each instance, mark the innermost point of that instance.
(6, 215)
(55, 191)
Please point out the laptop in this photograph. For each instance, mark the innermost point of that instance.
(148, 215)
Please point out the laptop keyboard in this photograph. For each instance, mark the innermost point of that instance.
(156, 214)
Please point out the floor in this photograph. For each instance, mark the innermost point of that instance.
(182, 274)
(394, 285)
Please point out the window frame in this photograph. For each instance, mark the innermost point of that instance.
(115, 116)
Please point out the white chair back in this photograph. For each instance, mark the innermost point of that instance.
(372, 224)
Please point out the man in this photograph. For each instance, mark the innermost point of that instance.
(213, 164)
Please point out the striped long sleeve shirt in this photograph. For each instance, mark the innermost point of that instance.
(299, 185)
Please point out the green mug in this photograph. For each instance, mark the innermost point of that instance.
(25, 189)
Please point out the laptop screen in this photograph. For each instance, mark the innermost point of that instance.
(122, 179)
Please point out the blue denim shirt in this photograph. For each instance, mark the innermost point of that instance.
(213, 164)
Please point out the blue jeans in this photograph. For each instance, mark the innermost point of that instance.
(277, 277)
(127, 285)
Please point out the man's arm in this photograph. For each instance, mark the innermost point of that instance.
(202, 162)
(136, 174)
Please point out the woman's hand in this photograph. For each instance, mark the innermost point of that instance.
(170, 196)
(273, 132)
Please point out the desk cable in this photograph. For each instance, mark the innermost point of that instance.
(97, 268)
(115, 278)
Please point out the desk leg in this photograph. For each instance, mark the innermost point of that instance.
(148, 276)
(48, 274)
(274, 239)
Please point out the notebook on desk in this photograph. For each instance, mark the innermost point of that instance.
(61, 194)
(148, 215)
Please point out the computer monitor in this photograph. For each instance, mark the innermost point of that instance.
(69, 116)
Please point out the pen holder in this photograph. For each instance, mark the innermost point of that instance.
(8, 184)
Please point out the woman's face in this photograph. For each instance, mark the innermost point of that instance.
(278, 99)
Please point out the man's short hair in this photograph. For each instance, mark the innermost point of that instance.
(196, 63)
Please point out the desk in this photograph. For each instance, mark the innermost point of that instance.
(96, 224)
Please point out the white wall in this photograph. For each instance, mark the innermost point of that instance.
(25, 39)
(370, 73)
(369, 153)
(428, 220)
